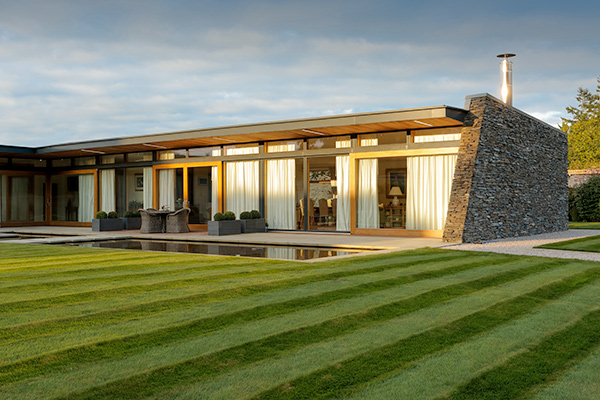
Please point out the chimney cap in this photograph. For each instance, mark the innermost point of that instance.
(506, 55)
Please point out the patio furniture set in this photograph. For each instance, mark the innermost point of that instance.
(164, 221)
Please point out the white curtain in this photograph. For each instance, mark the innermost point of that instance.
(342, 165)
(19, 206)
(281, 193)
(107, 194)
(428, 187)
(241, 181)
(166, 188)
(85, 210)
(367, 201)
(148, 200)
(214, 196)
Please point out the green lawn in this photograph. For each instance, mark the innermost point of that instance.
(590, 243)
(584, 225)
(82, 323)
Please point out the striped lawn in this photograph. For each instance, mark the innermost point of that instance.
(591, 244)
(83, 323)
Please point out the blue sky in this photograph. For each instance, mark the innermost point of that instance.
(80, 70)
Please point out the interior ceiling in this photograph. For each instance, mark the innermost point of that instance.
(161, 142)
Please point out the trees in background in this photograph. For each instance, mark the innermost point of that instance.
(583, 129)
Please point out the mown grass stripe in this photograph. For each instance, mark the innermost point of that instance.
(589, 244)
(342, 379)
(313, 274)
(107, 267)
(129, 345)
(44, 260)
(581, 382)
(50, 327)
(525, 372)
(206, 366)
(169, 269)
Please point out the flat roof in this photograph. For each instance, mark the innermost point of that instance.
(360, 123)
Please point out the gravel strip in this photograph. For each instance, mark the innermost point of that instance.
(524, 245)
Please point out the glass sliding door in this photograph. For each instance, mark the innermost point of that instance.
(73, 197)
(403, 192)
(135, 186)
(203, 198)
(328, 205)
(23, 198)
(170, 188)
(282, 200)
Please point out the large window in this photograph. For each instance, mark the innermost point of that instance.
(284, 193)
(170, 188)
(22, 198)
(73, 197)
(404, 192)
(203, 196)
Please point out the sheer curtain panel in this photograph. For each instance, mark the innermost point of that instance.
(367, 201)
(107, 194)
(148, 200)
(429, 180)
(242, 183)
(85, 211)
(166, 188)
(281, 193)
(342, 165)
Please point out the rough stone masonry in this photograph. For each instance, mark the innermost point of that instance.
(510, 178)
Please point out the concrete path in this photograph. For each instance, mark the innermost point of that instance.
(525, 245)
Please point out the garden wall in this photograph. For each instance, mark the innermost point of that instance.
(510, 178)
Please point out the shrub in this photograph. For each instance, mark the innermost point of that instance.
(218, 217)
(101, 215)
(134, 204)
(246, 215)
(229, 216)
(113, 214)
(255, 214)
(573, 212)
(132, 214)
(587, 200)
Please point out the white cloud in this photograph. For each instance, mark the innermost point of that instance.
(81, 70)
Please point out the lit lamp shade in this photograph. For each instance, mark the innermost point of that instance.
(395, 191)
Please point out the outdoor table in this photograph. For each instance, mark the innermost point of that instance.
(163, 217)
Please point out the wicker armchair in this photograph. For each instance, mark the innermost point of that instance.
(177, 222)
(151, 222)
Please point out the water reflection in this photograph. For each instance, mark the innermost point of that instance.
(280, 252)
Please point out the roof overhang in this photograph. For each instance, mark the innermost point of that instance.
(363, 123)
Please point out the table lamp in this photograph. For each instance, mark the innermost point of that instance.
(395, 191)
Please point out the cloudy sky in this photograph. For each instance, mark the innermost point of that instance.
(77, 70)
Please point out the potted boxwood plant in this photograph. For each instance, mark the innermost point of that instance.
(252, 222)
(107, 222)
(132, 220)
(224, 224)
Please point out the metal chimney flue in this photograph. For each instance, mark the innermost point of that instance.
(506, 71)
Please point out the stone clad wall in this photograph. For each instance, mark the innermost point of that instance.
(510, 178)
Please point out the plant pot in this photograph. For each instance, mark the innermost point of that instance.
(109, 224)
(220, 228)
(253, 225)
(132, 223)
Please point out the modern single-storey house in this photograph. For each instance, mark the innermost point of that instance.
(468, 174)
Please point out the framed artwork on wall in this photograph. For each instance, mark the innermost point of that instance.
(139, 182)
(395, 177)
